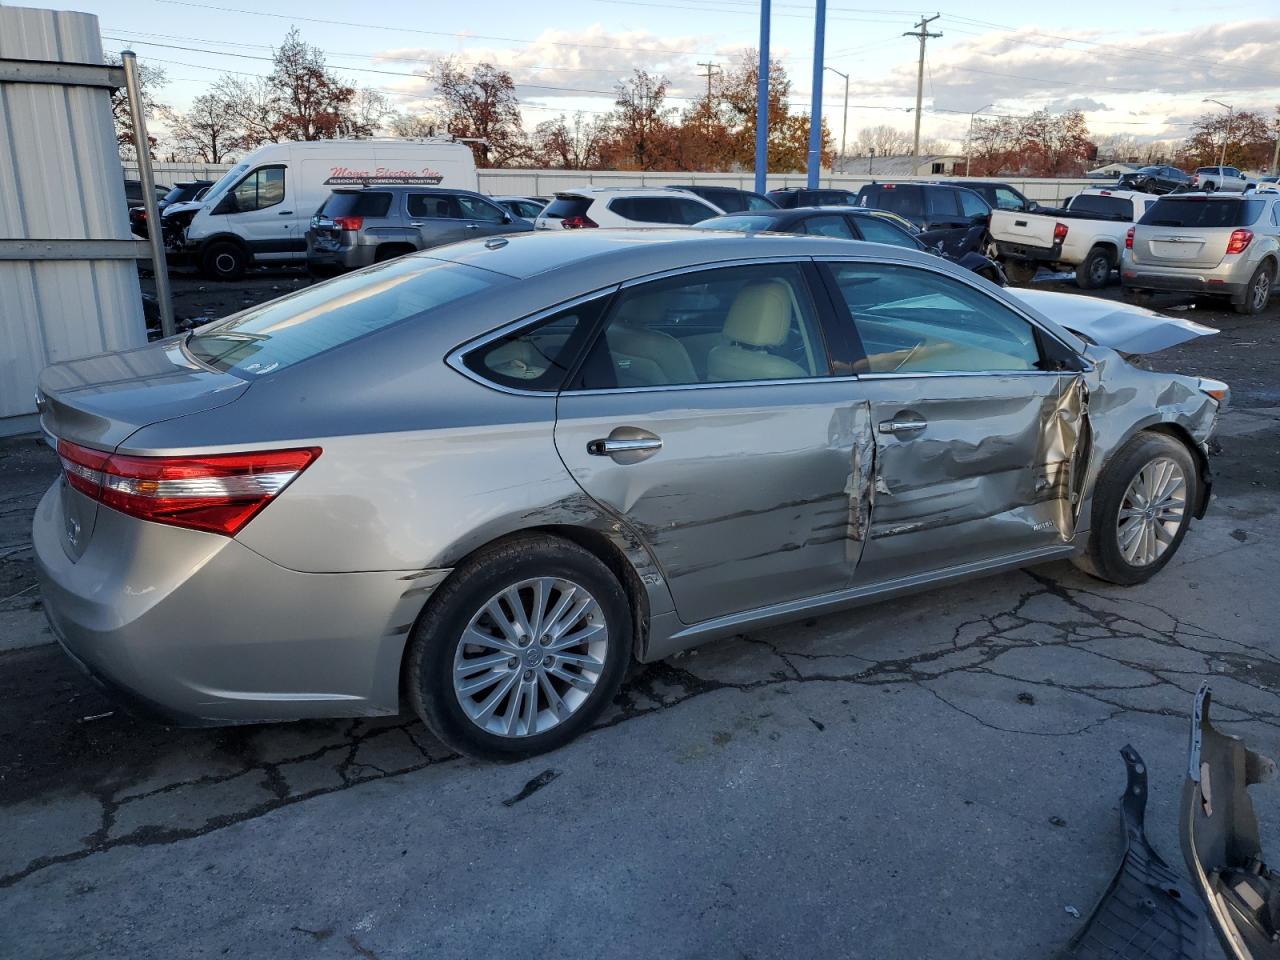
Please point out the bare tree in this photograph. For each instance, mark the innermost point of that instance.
(482, 105)
(368, 112)
(252, 106)
(415, 125)
(885, 140)
(562, 145)
(152, 79)
(205, 132)
(643, 123)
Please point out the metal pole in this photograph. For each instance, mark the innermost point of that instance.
(844, 126)
(1222, 158)
(968, 141)
(1275, 157)
(923, 35)
(159, 265)
(815, 109)
(762, 102)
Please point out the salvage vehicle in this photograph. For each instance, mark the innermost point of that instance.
(1160, 178)
(1227, 179)
(1209, 244)
(857, 223)
(357, 227)
(483, 479)
(943, 214)
(1086, 236)
(182, 192)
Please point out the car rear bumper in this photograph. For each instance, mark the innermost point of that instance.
(1007, 250)
(1225, 283)
(202, 630)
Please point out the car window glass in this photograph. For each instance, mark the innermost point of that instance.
(1006, 199)
(972, 205)
(473, 208)
(713, 326)
(642, 209)
(366, 203)
(830, 226)
(903, 200)
(1114, 208)
(942, 202)
(877, 231)
(262, 188)
(743, 223)
(689, 211)
(538, 356)
(1275, 213)
(917, 321)
(757, 202)
(433, 206)
(527, 208)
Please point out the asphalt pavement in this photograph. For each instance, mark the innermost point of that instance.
(935, 776)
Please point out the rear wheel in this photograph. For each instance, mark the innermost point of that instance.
(1096, 269)
(1020, 271)
(1210, 187)
(224, 260)
(1142, 505)
(520, 650)
(1258, 294)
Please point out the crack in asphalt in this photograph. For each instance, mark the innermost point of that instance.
(1089, 617)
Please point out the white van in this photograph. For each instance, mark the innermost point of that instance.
(260, 210)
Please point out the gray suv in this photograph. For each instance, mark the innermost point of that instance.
(358, 227)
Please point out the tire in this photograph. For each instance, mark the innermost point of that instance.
(1020, 271)
(1134, 549)
(224, 260)
(461, 605)
(1095, 271)
(1258, 294)
(1210, 188)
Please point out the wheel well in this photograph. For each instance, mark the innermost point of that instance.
(386, 251)
(224, 238)
(1110, 248)
(1176, 431)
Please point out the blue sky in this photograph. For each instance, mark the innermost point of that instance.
(1129, 76)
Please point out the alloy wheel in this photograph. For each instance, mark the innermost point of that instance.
(530, 657)
(1151, 512)
(1261, 291)
(1099, 271)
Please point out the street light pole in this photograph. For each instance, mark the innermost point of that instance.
(762, 102)
(968, 140)
(1231, 112)
(844, 127)
(815, 109)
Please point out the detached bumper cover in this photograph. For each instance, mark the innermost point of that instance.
(1024, 251)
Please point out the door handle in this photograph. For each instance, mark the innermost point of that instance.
(472, 226)
(902, 426)
(416, 223)
(286, 213)
(608, 447)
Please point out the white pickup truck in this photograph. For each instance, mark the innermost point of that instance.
(1086, 235)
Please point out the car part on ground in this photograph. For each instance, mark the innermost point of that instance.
(635, 376)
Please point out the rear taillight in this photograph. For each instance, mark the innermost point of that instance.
(1128, 239)
(219, 493)
(1240, 240)
(1059, 232)
(577, 223)
(348, 223)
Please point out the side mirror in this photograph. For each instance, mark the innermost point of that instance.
(228, 204)
(507, 218)
(1032, 206)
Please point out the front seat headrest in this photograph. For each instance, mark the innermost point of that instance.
(760, 315)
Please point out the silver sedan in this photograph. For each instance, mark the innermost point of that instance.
(482, 481)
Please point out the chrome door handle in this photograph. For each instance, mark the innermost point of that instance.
(472, 226)
(605, 448)
(416, 223)
(902, 426)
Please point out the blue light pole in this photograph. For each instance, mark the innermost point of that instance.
(815, 112)
(762, 101)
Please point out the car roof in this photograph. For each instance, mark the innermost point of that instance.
(615, 191)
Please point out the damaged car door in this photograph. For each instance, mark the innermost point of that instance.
(706, 417)
(979, 420)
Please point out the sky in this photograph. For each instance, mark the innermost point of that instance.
(1128, 73)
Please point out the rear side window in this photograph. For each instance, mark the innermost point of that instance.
(943, 202)
(300, 326)
(825, 198)
(828, 226)
(730, 201)
(1115, 208)
(537, 356)
(679, 210)
(432, 206)
(972, 205)
(350, 203)
(563, 208)
(1199, 212)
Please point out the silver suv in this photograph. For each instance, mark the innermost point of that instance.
(358, 227)
(1206, 243)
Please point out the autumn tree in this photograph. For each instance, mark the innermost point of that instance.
(642, 123)
(204, 132)
(151, 79)
(570, 145)
(482, 105)
(313, 103)
(788, 140)
(1037, 145)
(1250, 139)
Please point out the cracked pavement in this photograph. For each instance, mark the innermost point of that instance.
(939, 769)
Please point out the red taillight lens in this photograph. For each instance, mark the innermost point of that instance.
(1240, 240)
(349, 223)
(1059, 232)
(577, 223)
(1128, 239)
(219, 493)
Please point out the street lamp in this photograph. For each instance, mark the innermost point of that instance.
(844, 127)
(1222, 157)
(968, 140)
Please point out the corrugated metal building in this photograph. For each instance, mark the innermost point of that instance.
(68, 277)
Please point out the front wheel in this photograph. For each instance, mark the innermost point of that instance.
(224, 261)
(1258, 294)
(1142, 505)
(520, 650)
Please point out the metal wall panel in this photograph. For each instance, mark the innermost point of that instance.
(60, 179)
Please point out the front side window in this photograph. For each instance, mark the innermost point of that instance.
(731, 324)
(942, 202)
(261, 189)
(916, 321)
(829, 226)
(973, 205)
(473, 208)
(538, 356)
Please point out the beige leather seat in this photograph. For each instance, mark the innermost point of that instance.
(760, 318)
(642, 357)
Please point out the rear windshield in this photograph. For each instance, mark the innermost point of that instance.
(904, 200)
(1200, 212)
(743, 224)
(357, 203)
(300, 326)
(562, 208)
(1116, 208)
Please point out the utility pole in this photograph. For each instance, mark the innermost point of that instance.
(815, 109)
(844, 126)
(922, 34)
(762, 102)
(968, 140)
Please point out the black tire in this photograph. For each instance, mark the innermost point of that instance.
(1019, 271)
(429, 664)
(224, 260)
(1095, 271)
(1210, 188)
(1258, 294)
(1103, 557)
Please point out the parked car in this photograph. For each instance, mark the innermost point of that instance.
(1159, 178)
(486, 478)
(260, 210)
(183, 191)
(133, 192)
(526, 208)
(1199, 243)
(623, 207)
(356, 227)
(1086, 236)
(999, 196)
(729, 199)
(943, 213)
(1268, 184)
(1226, 179)
(175, 218)
(856, 223)
(789, 197)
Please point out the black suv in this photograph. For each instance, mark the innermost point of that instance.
(728, 199)
(800, 197)
(943, 213)
(999, 196)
